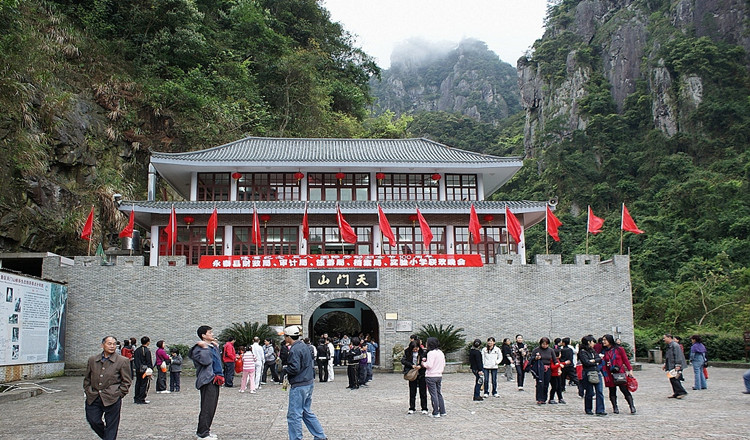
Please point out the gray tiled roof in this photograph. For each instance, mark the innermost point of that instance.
(329, 207)
(255, 149)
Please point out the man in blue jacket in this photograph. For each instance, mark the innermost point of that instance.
(209, 377)
(301, 376)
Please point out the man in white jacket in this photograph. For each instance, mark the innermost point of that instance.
(259, 359)
(331, 351)
(491, 358)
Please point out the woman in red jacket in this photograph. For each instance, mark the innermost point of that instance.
(616, 361)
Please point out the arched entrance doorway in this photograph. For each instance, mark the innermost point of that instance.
(344, 316)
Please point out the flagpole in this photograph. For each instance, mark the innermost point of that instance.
(174, 228)
(92, 229)
(214, 243)
(132, 245)
(588, 220)
(546, 228)
(622, 220)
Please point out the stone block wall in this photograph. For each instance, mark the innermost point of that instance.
(170, 301)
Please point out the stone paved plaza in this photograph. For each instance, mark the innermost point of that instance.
(379, 412)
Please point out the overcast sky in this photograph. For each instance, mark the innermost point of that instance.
(509, 27)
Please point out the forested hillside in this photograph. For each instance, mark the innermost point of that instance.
(88, 87)
(648, 103)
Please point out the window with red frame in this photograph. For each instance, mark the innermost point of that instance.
(326, 186)
(407, 187)
(213, 187)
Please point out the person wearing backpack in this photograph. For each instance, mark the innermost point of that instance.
(322, 359)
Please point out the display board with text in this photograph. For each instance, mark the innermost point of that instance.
(32, 320)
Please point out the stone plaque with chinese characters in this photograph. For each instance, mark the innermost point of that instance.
(342, 279)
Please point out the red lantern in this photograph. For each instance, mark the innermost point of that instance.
(436, 176)
(236, 175)
(489, 217)
(265, 218)
(413, 219)
(188, 220)
(340, 176)
(299, 175)
(380, 176)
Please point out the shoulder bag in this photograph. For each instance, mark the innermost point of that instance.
(593, 376)
(618, 376)
(411, 374)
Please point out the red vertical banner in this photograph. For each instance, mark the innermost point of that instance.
(513, 225)
(213, 224)
(552, 224)
(171, 229)
(345, 230)
(474, 226)
(594, 223)
(256, 238)
(426, 231)
(127, 231)
(89, 226)
(627, 222)
(385, 227)
(305, 225)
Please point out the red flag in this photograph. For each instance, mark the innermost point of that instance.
(385, 227)
(89, 226)
(256, 238)
(305, 225)
(171, 229)
(552, 224)
(426, 232)
(513, 225)
(346, 231)
(627, 222)
(474, 226)
(128, 230)
(595, 223)
(213, 223)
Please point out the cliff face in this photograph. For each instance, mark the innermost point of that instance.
(468, 79)
(623, 40)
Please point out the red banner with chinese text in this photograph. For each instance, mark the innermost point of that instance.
(337, 261)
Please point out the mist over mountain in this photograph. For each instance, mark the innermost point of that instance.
(464, 77)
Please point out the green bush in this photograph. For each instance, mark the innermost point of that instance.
(645, 340)
(181, 348)
(720, 346)
(245, 332)
(451, 339)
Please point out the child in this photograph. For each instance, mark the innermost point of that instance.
(175, 368)
(556, 379)
(248, 370)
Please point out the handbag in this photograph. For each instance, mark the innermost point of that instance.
(592, 376)
(618, 377)
(705, 372)
(238, 365)
(480, 379)
(163, 366)
(632, 384)
(411, 374)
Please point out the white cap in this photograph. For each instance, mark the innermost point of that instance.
(293, 330)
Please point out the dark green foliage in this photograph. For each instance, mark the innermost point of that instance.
(245, 332)
(181, 348)
(454, 129)
(721, 346)
(689, 192)
(451, 339)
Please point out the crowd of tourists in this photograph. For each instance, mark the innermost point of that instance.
(588, 366)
